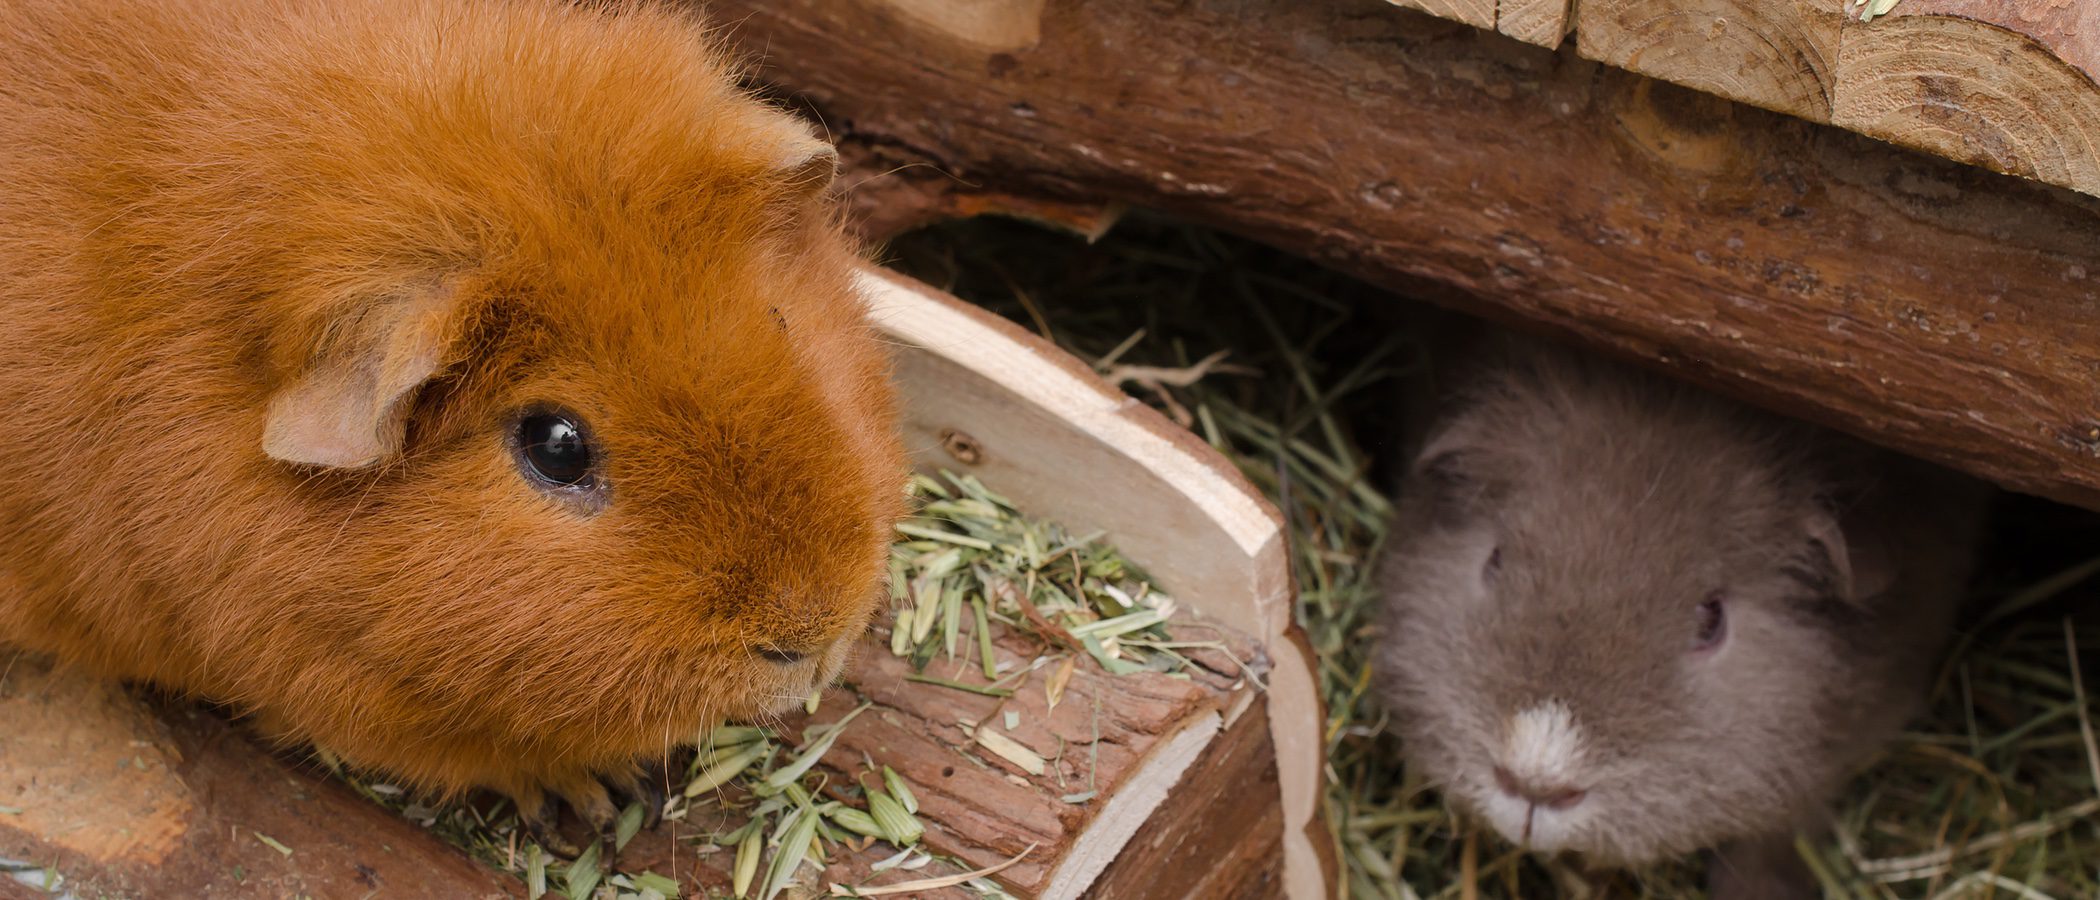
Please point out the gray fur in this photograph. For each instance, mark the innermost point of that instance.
(1621, 501)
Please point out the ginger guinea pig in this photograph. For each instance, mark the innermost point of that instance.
(476, 389)
(1628, 620)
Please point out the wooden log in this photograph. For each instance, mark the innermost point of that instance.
(1928, 306)
(2003, 84)
(1223, 760)
(126, 799)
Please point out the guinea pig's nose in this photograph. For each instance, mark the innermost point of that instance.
(1549, 796)
(785, 656)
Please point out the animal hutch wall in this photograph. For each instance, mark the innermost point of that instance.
(1881, 219)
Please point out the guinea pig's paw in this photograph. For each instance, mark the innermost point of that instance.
(541, 822)
(646, 783)
(589, 801)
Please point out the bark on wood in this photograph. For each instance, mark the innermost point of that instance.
(1106, 738)
(1929, 306)
(132, 800)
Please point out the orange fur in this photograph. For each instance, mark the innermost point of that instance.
(203, 200)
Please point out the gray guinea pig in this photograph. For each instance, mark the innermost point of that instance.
(1629, 620)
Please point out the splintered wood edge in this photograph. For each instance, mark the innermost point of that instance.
(1132, 804)
(1194, 477)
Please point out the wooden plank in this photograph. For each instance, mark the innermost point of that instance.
(1928, 306)
(2005, 85)
(1238, 845)
(1778, 54)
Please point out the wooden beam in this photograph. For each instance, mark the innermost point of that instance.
(1928, 306)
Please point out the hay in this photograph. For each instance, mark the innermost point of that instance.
(1993, 795)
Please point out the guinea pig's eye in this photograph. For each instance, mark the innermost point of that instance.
(1493, 564)
(555, 448)
(1713, 622)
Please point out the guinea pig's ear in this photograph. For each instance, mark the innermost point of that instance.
(1452, 478)
(806, 164)
(350, 408)
(1856, 563)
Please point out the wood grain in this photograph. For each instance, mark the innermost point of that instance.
(1477, 13)
(1778, 54)
(2004, 85)
(2008, 85)
(1929, 306)
(1238, 842)
(1542, 22)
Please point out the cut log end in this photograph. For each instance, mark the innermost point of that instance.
(1972, 91)
(1777, 54)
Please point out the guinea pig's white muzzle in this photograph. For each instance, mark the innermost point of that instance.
(1538, 790)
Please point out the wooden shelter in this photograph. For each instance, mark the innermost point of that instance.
(1707, 186)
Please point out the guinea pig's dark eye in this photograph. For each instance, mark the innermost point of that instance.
(555, 448)
(1713, 622)
(1493, 564)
